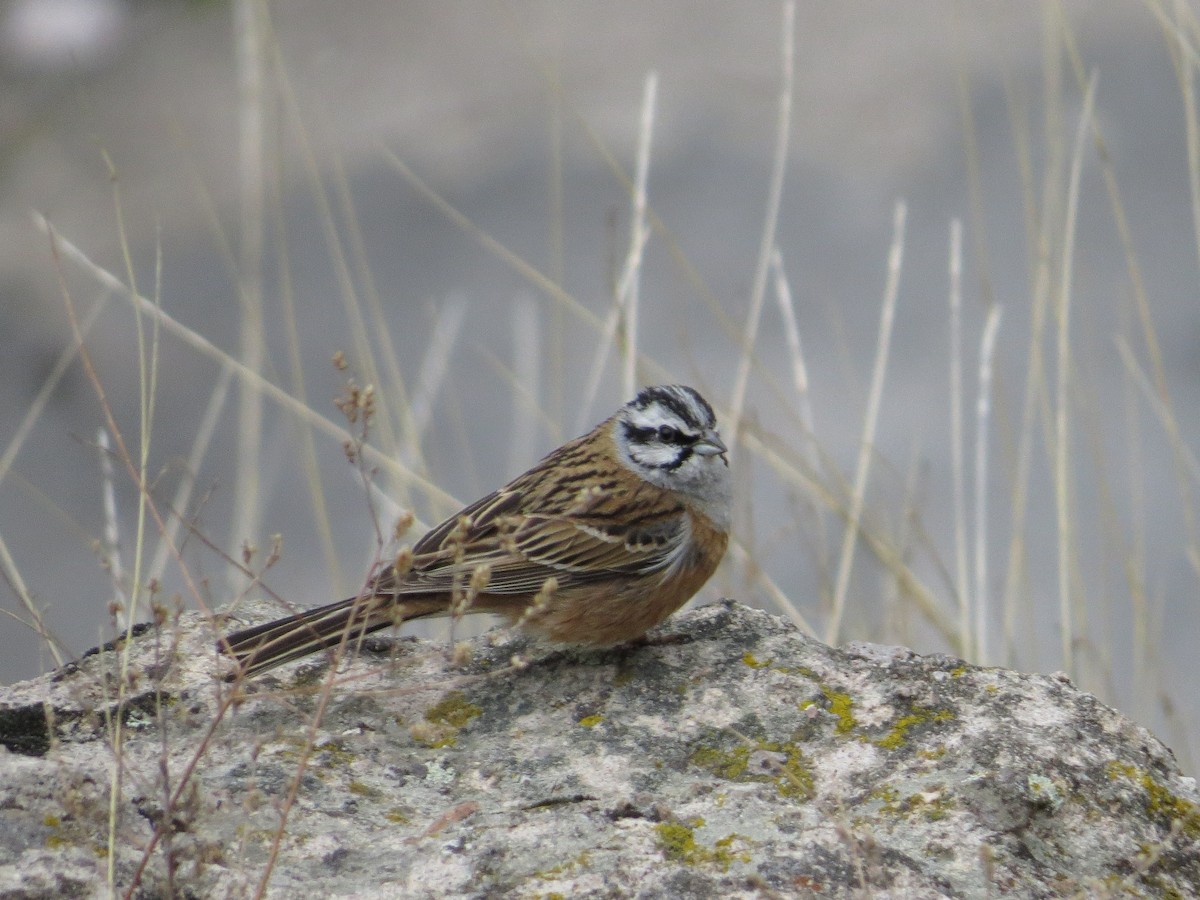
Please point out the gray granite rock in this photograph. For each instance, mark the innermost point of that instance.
(730, 756)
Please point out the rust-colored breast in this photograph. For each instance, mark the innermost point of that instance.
(611, 612)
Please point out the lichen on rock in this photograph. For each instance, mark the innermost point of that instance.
(730, 756)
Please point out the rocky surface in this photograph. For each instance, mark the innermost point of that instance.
(730, 756)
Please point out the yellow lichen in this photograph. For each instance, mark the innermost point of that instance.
(842, 707)
(453, 710)
(444, 719)
(728, 764)
(898, 734)
(930, 807)
(582, 861)
(793, 778)
(677, 841)
(1159, 800)
(361, 789)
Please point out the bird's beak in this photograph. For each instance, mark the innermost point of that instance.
(710, 445)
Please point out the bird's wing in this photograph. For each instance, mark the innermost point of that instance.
(599, 539)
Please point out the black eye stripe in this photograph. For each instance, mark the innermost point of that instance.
(645, 435)
(670, 435)
(636, 435)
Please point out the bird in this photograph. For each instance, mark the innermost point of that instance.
(599, 542)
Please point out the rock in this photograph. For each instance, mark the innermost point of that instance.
(730, 756)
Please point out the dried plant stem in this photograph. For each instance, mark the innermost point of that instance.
(249, 30)
(13, 575)
(629, 293)
(1062, 450)
(519, 265)
(147, 357)
(185, 777)
(626, 292)
(183, 494)
(957, 465)
(866, 448)
(431, 375)
(112, 531)
(983, 407)
(809, 451)
(791, 335)
(1161, 411)
(758, 288)
(743, 558)
(31, 417)
(304, 444)
(39, 403)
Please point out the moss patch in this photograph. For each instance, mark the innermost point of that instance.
(444, 719)
(581, 862)
(1159, 800)
(453, 710)
(792, 778)
(897, 735)
(677, 841)
(323, 757)
(361, 789)
(931, 808)
(842, 707)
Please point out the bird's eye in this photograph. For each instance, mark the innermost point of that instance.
(669, 434)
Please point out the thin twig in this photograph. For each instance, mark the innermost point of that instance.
(249, 33)
(112, 532)
(957, 464)
(766, 245)
(626, 291)
(13, 575)
(628, 298)
(187, 484)
(1062, 493)
(1161, 412)
(887, 316)
(983, 407)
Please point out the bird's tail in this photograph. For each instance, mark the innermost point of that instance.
(341, 624)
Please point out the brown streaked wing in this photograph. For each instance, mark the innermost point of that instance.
(484, 514)
(523, 494)
(573, 551)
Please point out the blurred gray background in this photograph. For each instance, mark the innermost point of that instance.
(488, 103)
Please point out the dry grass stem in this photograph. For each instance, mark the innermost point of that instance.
(1062, 454)
(767, 242)
(629, 289)
(887, 317)
(957, 464)
(983, 409)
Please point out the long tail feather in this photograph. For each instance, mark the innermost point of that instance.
(344, 623)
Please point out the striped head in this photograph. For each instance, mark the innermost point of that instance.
(668, 436)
